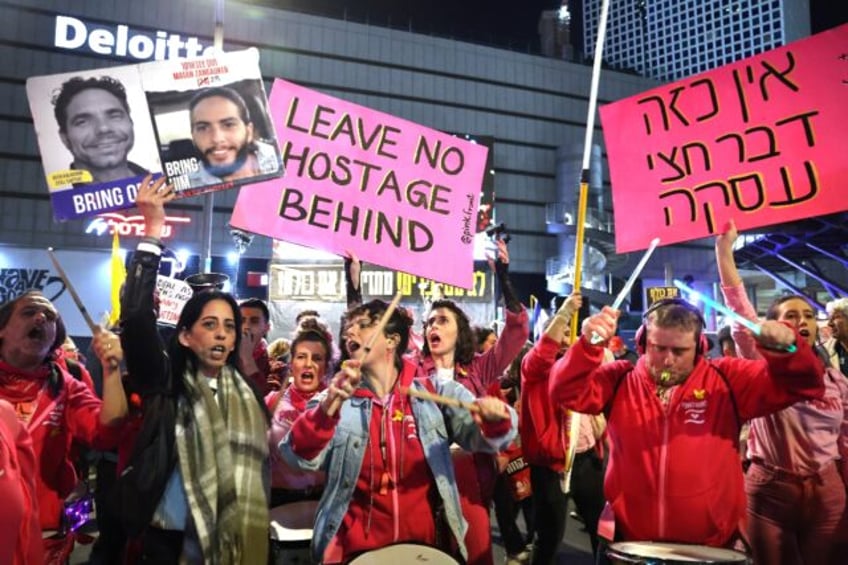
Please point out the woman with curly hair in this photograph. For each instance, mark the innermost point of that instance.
(450, 353)
(387, 455)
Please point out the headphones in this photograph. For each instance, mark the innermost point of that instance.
(641, 337)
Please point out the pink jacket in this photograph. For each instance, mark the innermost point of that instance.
(807, 436)
(285, 408)
(486, 368)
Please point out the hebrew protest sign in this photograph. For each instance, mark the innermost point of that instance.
(173, 295)
(203, 122)
(326, 282)
(395, 193)
(761, 141)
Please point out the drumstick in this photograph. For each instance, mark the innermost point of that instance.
(753, 326)
(625, 290)
(95, 329)
(91, 325)
(381, 325)
(439, 399)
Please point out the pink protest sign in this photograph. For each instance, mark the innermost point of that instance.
(394, 192)
(761, 141)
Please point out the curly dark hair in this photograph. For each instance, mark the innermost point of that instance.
(75, 85)
(466, 343)
(399, 324)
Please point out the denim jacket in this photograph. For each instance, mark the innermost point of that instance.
(438, 427)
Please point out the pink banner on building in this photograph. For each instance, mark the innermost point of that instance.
(762, 141)
(396, 193)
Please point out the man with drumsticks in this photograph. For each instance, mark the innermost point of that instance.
(673, 419)
(387, 454)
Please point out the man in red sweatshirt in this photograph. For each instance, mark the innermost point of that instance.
(254, 362)
(673, 420)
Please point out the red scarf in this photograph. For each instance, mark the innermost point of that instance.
(20, 388)
(299, 399)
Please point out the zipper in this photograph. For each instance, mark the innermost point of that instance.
(392, 469)
(661, 506)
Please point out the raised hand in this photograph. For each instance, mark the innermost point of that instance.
(107, 347)
(728, 237)
(500, 256)
(150, 201)
(600, 327)
(342, 386)
(571, 305)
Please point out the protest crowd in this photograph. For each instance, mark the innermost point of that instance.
(396, 440)
(221, 448)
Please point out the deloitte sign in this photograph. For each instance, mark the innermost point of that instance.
(74, 34)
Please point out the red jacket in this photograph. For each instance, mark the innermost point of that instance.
(20, 535)
(263, 364)
(540, 421)
(73, 414)
(674, 473)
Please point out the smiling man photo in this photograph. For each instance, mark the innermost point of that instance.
(96, 127)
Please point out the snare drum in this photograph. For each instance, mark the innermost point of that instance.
(652, 553)
(291, 532)
(404, 553)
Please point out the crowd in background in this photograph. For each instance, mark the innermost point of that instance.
(199, 440)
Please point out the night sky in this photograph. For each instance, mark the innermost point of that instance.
(504, 23)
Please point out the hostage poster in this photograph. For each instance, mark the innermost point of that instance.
(204, 123)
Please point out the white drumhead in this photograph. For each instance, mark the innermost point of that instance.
(404, 553)
(678, 552)
(293, 521)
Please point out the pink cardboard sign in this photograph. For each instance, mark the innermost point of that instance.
(394, 192)
(761, 141)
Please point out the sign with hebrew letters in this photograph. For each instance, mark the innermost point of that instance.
(762, 141)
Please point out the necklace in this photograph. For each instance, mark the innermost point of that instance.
(664, 393)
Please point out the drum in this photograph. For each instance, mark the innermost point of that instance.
(291, 532)
(652, 553)
(404, 553)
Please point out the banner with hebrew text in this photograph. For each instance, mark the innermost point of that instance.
(762, 141)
